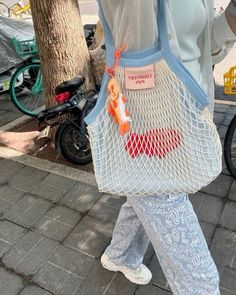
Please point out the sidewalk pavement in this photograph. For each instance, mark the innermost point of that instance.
(53, 230)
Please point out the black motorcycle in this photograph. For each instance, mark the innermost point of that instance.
(74, 105)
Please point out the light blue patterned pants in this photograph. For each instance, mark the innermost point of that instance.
(171, 225)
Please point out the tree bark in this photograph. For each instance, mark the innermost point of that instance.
(61, 42)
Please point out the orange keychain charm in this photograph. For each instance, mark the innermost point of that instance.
(116, 105)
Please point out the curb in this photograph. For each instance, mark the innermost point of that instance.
(45, 165)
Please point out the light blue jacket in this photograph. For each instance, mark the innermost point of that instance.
(124, 19)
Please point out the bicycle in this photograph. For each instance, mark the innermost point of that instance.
(26, 85)
(230, 137)
(19, 9)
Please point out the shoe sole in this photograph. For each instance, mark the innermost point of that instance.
(127, 277)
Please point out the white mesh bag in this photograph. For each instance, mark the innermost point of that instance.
(171, 145)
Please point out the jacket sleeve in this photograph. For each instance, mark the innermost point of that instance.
(223, 38)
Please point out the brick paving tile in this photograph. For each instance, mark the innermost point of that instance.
(48, 191)
(81, 197)
(208, 231)
(223, 248)
(97, 282)
(8, 169)
(59, 181)
(228, 217)
(29, 253)
(27, 178)
(64, 271)
(57, 222)
(90, 236)
(27, 210)
(232, 192)
(119, 280)
(151, 290)
(10, 284)
(8, 197)
(33, 290)
(107, 208)
(9, 234)
(208, 208)
(220, 186)
(158, 277)
(227, 279)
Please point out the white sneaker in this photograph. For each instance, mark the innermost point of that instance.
(139, 276)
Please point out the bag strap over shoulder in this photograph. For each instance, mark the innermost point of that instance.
(161, 21)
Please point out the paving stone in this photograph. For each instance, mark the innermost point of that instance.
(219, 187)
(158, 277)
(220, 108)
(81, 197)
(104, 212)
(228, 217)
(232, 192)
(112, 200)
(227, 119)
(222, 131)
(9, 234)
(231, 110)
(208, 231)
(208, 208)
(8, 169)
(10, 284)
(90, 236)
(33, 290)
(107, 208)
(11, 165)
(149, 254)
(223, 248)
(219, 118)
(64, 271)
(48, 191)
(29, 253)
(227, 279)
(224, 291)
(119, 280)
(27, 210)
(27, 178)
(97, 282)
(7, 117)
(8, 197)
(151, 290)
(58, 222)
(59, 181)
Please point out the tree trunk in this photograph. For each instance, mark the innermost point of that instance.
(61, 42)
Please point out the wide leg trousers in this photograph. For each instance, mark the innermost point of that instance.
(171, 225)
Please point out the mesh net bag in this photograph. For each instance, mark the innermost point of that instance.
(163, 140)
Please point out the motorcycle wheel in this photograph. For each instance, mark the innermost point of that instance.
(74, 144)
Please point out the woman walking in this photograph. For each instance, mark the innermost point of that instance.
(196, 37)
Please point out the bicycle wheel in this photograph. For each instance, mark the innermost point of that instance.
(230, 148)
(26, 89)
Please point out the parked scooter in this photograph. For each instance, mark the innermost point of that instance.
(71, 137)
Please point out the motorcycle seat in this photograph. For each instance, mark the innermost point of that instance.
(70, 85)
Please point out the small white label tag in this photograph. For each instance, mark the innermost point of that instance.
(140, 78)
